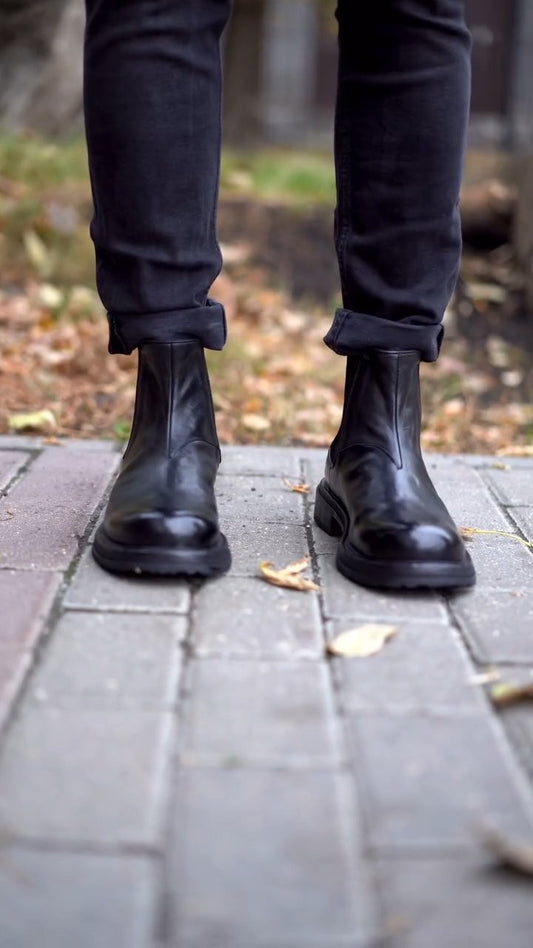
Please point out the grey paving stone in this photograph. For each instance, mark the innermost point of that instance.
(265, 856)
(114, 661)
(498, 625)
(512, 487)
(94, 588)
(466, 496)
(26, 598)
(501, 562)
(440, 903)
(523, 517)
(20, 443)
(424, 667)
(251, 543)
(94, 776)
(431, 780)
(344, 599)
(58, 900)
(14, 666)
(10, 463)
(249, 618)
(258, 498)
(52, 505)
(242, 713)
(271, 461)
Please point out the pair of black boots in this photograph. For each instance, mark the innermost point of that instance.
(376, 496)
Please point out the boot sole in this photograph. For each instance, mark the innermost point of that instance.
(118, 558)
(332, 517)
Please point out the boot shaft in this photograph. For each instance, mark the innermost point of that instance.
(173, 401)
(381, 403)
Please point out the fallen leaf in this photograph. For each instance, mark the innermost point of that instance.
(38, 253)
(516, 451)
(506, 693)
(362, 641)
(255, 422)
(468, 532)
(297, 488)
(509, 852)
(289, 577)
(43, 420)
(500, 466)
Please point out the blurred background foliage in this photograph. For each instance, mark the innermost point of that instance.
(275, 381)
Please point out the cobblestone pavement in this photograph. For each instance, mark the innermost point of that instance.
(182, 765)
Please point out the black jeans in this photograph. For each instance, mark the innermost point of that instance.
(152, 110)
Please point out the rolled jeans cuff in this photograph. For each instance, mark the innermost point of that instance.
(207, 323)
(351, 332)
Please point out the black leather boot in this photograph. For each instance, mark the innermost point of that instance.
(377, 496)
(162, 515)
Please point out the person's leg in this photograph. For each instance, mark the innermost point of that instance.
(401, 120)
(152, 108)
(152, 115)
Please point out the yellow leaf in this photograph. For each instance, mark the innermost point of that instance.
(362, 641)
(43, 420)
(289, 577)
(297, 488)
(468, 532)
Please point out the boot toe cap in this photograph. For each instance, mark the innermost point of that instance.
(165, 530)
(422, 542)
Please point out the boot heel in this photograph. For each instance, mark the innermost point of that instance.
(325, 517)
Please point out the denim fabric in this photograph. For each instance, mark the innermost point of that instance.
(152, 109)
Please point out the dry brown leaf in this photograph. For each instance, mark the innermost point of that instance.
(364, 640)
(297, 488)
(506, 693)
(468, 532)
(514, 854)
(289, 577)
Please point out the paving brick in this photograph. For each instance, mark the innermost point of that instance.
(94, 776)
(121, 661)
(243, 713)
(431, 780)
(467, 497)
(26, 599)
(344, 599)
(57, 900)
(94, 588)
(523, 517)
(261, 460)
(498, 625)
(512, 487)
(250, 618)
(501, 562)
(423, 667)
(251, 543)
(439, 903)
(10, 463)
(258, 498)
(20, 443)
(265, 856)
(52, 505)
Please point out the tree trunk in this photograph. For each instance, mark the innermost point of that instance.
(41, 64)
